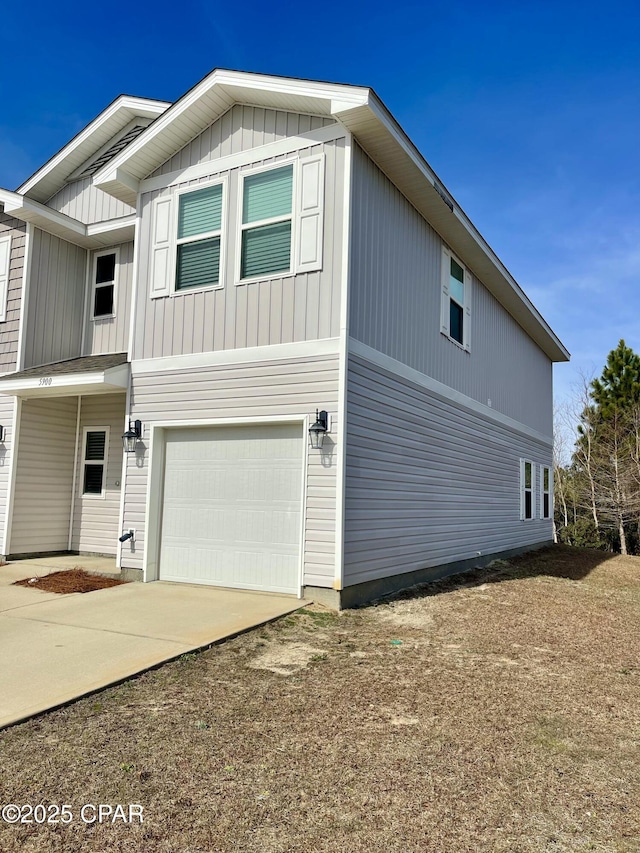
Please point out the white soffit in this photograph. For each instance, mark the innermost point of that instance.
(53, 175)
(113, 379)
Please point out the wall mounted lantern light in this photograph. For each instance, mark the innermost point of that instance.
(132, 436)
(319, 429)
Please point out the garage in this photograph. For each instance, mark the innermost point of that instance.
(232, 506)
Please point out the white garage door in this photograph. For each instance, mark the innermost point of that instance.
(232, 506)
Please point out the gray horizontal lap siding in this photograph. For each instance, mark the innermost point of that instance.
(262, 390)
(395, 295)
(239, 129)
(111, 334)
(428, 482)
(56, 296)
(82, 201)
(281, 310)
(10, 329)
(96, 522)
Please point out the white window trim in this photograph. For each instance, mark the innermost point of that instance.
(293, 216)
(94, 284)
(90, 495)
(544, 492)
(523, 490)
(223, 181)
(445, 297)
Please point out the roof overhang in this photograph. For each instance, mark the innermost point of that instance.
(108, 381)
(54, 174)
(364, 115)
(95, 236)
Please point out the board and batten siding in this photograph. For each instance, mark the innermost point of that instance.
(428, 481)
(44, 476)
(395, 294)
(55, 313)
(111, 334)
(298, 307)
(239, 129)
(7, 407)
(10, 328)
(96, 519)
(261, 390)
(88, 204)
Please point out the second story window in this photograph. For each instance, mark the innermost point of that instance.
(267, 208)
(199, 238)
(104, 286)
(455, 320)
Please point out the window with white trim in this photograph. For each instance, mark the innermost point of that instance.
(527, 489)
(267, 219)
(199, 238)
(103, 294)
(545, 492)
(455, 309)
(95, 447)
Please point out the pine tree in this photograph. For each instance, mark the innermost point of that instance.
(619, 385)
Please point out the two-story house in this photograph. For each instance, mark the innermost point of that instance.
(254, 329)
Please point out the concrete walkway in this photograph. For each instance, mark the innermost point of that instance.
(57, 648)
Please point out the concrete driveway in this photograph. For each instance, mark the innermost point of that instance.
(57, 648)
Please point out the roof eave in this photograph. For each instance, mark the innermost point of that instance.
(52, 176)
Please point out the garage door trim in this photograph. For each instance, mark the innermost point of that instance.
(155, 481)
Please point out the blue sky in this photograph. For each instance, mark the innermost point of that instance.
(528, 112)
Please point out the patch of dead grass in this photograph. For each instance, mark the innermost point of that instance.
(505, 724)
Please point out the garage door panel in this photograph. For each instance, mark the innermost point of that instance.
(232, 506)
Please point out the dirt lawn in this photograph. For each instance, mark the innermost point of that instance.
(494, 712)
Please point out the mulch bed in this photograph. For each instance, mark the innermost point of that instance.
(71, 580)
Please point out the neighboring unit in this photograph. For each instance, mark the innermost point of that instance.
(204, 281)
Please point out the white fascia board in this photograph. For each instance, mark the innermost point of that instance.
(93, 236)
(94, 382)
(127, 105)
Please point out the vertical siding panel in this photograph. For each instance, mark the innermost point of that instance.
(44, 476)
(56, 301)
(82, 201)
(395, 308)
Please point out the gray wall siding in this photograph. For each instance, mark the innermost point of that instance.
(111, 334)
(281, 310)
(240, 129)
(395, 291)
(56, 300)
(7, 406)
(428, 482)
(44, 476)
(96, 520)
(88, 204)
(10, 329)
(261, 390)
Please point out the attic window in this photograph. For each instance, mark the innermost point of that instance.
(110, 153)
